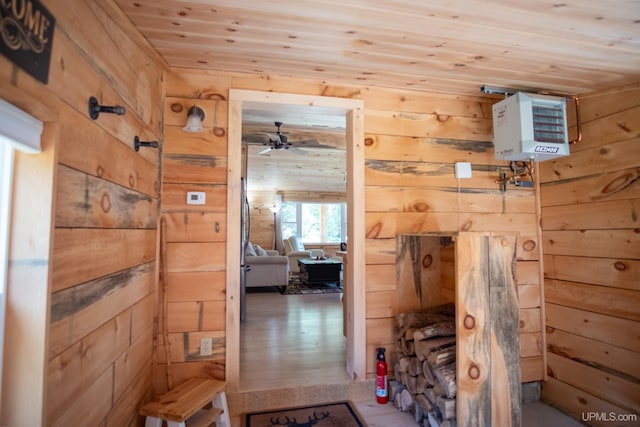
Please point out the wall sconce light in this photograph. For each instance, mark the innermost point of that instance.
(195, 116)
(95, 109)
(137, 143)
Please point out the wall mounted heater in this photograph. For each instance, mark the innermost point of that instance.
(530, 127)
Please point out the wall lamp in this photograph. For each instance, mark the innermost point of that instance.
(95, 109)
(137, 143)
(195, 116)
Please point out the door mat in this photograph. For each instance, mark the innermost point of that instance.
(296, 287)
(336, 414)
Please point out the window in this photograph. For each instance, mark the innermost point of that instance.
(6, 173)
(21, 131)
(315, 222)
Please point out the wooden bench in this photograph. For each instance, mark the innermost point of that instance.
(184, 405)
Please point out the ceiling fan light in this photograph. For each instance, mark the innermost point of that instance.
(195, 116)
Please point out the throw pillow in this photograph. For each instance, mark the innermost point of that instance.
(260, 251)
(250, 251)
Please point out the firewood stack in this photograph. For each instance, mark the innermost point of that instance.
(426, 365)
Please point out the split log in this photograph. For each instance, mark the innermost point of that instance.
(428, 373)
(415, 367)
(442, 356)
(396, 371)
(404, 362)
(407, 347)
(421, 384)
(444, 328)
(410, 382)
(418, 412)
(395, 387)
(446, 376)
(432, 395)
(424, 403)
(408, 320)
(424, 347)
(438, 389)
(434, 420)
(407, 401)
(447, 407)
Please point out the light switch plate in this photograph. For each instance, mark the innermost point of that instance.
(463, 170)
(196, 198)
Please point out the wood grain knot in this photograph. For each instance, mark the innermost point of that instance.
(619, 183)
(219, 131)
(214, 96)
(469, 322)
(529, 245)
(176, 107)
(132, 181)
(443, 118)
(474, 372)
(368, 141)
(427, 261)
(504, 242)
(374, 231)
(100, 171)
(620, 266)
(420, 207)
(105, 203)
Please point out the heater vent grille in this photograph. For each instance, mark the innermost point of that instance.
(548, 124)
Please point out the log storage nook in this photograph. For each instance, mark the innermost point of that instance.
(470, 173)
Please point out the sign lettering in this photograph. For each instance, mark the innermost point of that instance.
(545, 149)
(26, 35)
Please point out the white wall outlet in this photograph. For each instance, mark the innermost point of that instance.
(206, 347)
(196, 198)
(463, 170)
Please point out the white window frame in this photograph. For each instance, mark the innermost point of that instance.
(18, 130)
(6, 185)
(343, 219)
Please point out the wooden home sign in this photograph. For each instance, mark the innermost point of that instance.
(26, 36)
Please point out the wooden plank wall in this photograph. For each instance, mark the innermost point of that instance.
(103, 261)
(412, 142)
(196, 235)
(262, 222)
(592, 262)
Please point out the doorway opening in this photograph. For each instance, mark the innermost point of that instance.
(239, 101)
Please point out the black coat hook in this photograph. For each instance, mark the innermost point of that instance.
(95, 109)
(137, 143)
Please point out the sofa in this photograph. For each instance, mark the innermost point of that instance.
(266, 267)
(294, 250)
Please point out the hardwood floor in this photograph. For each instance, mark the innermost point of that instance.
(292, 345)
(292, 340)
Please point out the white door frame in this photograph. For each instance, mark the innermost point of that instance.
(356, 295)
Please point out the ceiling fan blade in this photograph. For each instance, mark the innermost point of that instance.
(313, 143)
(265, 151)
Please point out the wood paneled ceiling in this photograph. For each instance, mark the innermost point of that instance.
(455, 47)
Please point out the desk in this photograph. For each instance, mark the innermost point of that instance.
(313, 271)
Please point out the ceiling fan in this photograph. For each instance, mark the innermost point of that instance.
(279, 141)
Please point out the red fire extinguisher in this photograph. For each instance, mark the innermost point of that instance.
(382, 390)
